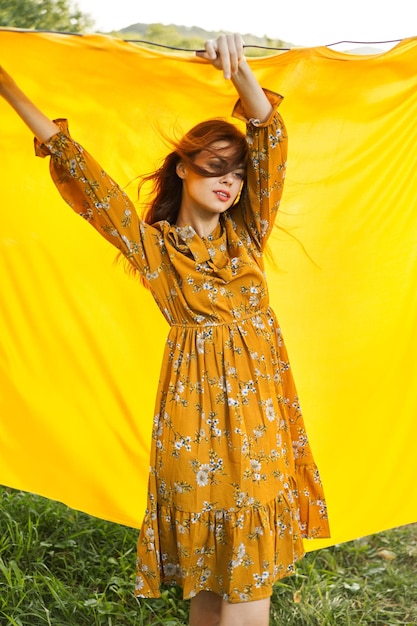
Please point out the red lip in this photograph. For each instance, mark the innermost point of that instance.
(222, 194)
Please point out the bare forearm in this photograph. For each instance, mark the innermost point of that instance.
(40, 125)
(254, 101)
(226, 53)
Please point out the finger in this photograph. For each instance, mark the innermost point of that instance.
(235, 52)
(211, 49)
(209, 53)
(239, 45)
(224, 55)
(202, 54)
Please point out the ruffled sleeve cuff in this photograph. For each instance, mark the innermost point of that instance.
(274, 98)
(47, 148)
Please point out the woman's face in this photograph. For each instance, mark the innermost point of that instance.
(210, 195)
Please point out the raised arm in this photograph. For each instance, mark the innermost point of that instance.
(226, 53)
(39, 124)
(83, 183)
(267, 139)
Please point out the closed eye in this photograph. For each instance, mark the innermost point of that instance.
(240, 174)
(215, 165)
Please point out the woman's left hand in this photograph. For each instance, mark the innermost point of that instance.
(224, 53)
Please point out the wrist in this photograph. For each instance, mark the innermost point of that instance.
(243, 73)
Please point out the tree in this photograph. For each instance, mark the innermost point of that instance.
(56, 15)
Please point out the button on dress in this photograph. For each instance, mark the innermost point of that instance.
(233, 486)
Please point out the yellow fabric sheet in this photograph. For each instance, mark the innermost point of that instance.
(81, 341)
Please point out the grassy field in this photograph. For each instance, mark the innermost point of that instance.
(59, 567)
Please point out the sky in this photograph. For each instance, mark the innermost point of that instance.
(300, 22)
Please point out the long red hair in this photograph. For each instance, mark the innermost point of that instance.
(166, 184)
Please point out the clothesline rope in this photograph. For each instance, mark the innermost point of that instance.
(180, 49)
(329, 45)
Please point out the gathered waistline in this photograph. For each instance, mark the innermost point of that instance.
(232, 322)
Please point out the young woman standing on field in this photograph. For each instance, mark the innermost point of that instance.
(233, 487)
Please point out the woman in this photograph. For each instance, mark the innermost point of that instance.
(233, 487)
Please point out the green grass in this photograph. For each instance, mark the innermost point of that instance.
(59, 567)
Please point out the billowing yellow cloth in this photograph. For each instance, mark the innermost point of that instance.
(81, 341)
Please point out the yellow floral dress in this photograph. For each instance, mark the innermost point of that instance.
(233, 487)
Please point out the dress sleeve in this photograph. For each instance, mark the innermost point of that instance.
(91, 193)
(267, 143)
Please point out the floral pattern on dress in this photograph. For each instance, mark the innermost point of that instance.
(233, 487)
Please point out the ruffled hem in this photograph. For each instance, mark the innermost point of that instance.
(236, 554)
(311, 502)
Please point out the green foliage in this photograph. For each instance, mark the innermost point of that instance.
(59, 567)
(55, 15)
(65, 16)
(170, 36)
(192, 38)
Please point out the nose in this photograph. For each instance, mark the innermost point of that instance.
(227, 178)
